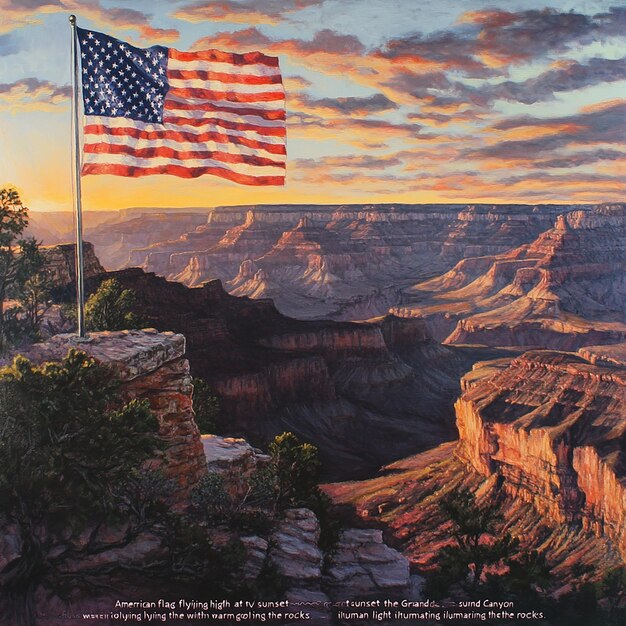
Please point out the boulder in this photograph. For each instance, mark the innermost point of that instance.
(294, 550)
(363, 565)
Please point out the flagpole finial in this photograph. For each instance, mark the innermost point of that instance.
(72, 20)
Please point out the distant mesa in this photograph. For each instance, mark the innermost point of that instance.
(320, 261)
(547, 276)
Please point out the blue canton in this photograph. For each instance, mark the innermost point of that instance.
(120, 80)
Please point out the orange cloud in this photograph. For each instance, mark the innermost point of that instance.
(16, 14)
(603, 106)
(242, 12)
(32, 94)
(535, 132)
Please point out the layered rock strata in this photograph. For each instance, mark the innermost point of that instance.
(338, 385)
(344, 262)
(60, 263)
(552, 426)
(544, 436)
(136, 229)
(564, 290)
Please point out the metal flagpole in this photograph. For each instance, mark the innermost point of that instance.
(80, 282)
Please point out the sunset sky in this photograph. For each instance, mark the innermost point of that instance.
(388, 100)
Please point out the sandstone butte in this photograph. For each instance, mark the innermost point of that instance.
(544, 434)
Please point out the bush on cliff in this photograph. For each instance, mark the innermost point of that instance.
(294, 470)
(21, 273)
(111, 308)
(289, 479)
(70, 461)
(479, 543)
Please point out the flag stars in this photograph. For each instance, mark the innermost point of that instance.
(111, 65)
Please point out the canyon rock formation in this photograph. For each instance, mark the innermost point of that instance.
(60, 263)
(150, 366)
(342, 262)
(339, 385)
(564, 290)
(543, 434)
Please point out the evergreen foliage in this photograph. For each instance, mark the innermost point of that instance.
(70, 462)
(111, 308)
(21, 273)
(479, 543)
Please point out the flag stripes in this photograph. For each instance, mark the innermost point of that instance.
(223, 114)
(181, 171)
(175, 134)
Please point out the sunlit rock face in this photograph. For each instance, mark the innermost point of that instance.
(544, 436)
(564, 290)
(150, 366)
(343, 262)
(552, 427)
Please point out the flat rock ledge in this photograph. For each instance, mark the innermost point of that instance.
(225, 454)
(132, 353)
(360, 567)
(294, 549)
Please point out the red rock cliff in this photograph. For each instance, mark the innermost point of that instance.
(552, 427)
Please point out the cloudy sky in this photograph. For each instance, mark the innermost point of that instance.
(388, 100)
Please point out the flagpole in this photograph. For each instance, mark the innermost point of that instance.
(80, 282)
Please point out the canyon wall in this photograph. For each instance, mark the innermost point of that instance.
(551, 426)
(60, 262)
(343, 262)
(133, 229)
(564, 290)
(543, 436)
(339, 385)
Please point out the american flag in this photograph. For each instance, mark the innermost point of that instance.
(161, 111)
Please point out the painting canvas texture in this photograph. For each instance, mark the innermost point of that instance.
(352, 346)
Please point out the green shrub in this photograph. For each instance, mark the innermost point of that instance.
(69, 461)
(111, 308)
